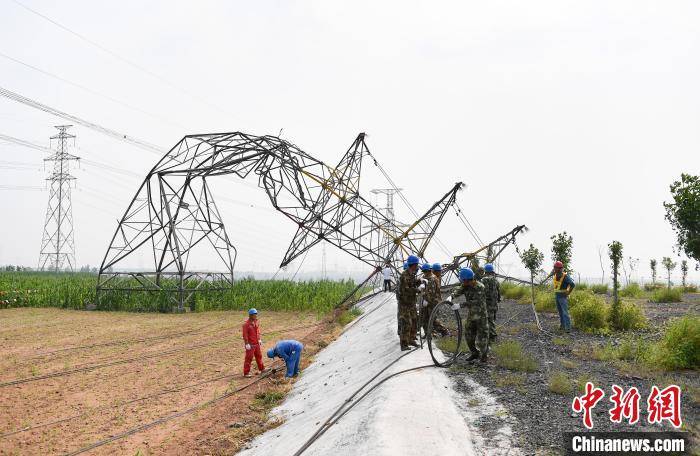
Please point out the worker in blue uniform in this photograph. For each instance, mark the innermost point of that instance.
(290, 352)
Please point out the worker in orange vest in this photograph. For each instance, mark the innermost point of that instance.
(253, 342)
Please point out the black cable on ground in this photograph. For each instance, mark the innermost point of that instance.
(332, 421)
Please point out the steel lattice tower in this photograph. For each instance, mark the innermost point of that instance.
(57, 244)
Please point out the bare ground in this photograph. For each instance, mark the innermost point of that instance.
(181, 350)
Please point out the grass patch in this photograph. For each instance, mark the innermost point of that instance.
(509, 354)
(581, 381)
(582, 286)
(667, 295)
(512, 291)
(268, 399)
(631, 316)
(589, 312)
(633, 290)
(690, 289)
(506, 380)
(679, 348)
(446, 344)
(559, 383)
(601, 288)
(653, 286)
(561, 341)
(349, 315)
(568, 364)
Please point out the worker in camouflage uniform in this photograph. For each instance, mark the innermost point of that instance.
(493, 297)
(409, 287)
(431, 298)
(476, 325)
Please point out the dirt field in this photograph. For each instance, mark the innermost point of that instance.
(149, 354)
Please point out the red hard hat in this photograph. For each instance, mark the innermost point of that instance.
(558, 264)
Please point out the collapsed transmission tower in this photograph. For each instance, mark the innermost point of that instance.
(173, 212)
(57, 244)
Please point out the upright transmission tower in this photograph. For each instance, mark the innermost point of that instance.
(57, 245)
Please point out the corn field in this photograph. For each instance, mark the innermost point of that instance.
(77, 290)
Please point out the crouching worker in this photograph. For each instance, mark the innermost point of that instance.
(252, 340)
(290, 352)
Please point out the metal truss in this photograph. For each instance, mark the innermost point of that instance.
(173, 211)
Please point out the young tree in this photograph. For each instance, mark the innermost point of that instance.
(652, 265)
(684, 272)
(684, 214)
(615, 254)
(532, 258)
(669, 266)
(562, 246)
(632, 262)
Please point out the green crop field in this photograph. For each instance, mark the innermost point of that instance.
(75, 291)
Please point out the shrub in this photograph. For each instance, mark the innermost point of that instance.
(652, 286)
(679, 347)
(559, 383)
(600, 288)
(512, 291)
(633, 290)
(582, 286)
(590, 314)
(691, 289)
(631, 317)
(349, 315)
(667, 295)
(545, 302)
(509, 354)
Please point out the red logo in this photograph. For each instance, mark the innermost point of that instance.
(626, 405)
(586, 402)
(665, 405)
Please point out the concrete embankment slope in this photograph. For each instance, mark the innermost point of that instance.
(411, 414)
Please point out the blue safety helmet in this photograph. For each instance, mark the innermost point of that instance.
(405, 265)
(412, 259)
(425, 267)
(271, 353)
(488, 267)
(253, 311)
(466, 274)
(437, 267)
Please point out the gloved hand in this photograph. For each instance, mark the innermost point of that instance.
(421, 287)
(425, 281)
(424, 304)
(449, 299)
(247, 346)
(259, 341)
(455, 306)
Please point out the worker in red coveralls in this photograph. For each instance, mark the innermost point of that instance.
(252, 340)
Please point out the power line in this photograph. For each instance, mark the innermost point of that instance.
(127, 61)
(109, 132)
(91, 91)
(22, 187)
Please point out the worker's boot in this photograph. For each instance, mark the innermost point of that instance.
(413, 343)
(483, 358)
(473, 356)
(247, 375)
(404, 348)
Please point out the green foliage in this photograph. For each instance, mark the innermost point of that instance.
(652, 286)
(532, 258)
(601, 288)
(633, 290)
(652, 265)
(559, 383)
(511, 290)
(74, 291)
(544, 301)
(615, 254)
(667, 295)
(268, 399)
(562, 246)
(631, 317)
(691, 289)
(349, 315)
(629, 349)
(679, 347)
(669, 265)
(589, 313)
(582, 286)
(509, 354)
(684, 214)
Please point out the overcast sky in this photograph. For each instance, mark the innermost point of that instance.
(559, 115)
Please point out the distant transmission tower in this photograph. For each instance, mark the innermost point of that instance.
(57, 245)
(389, 210)
(324, 271)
